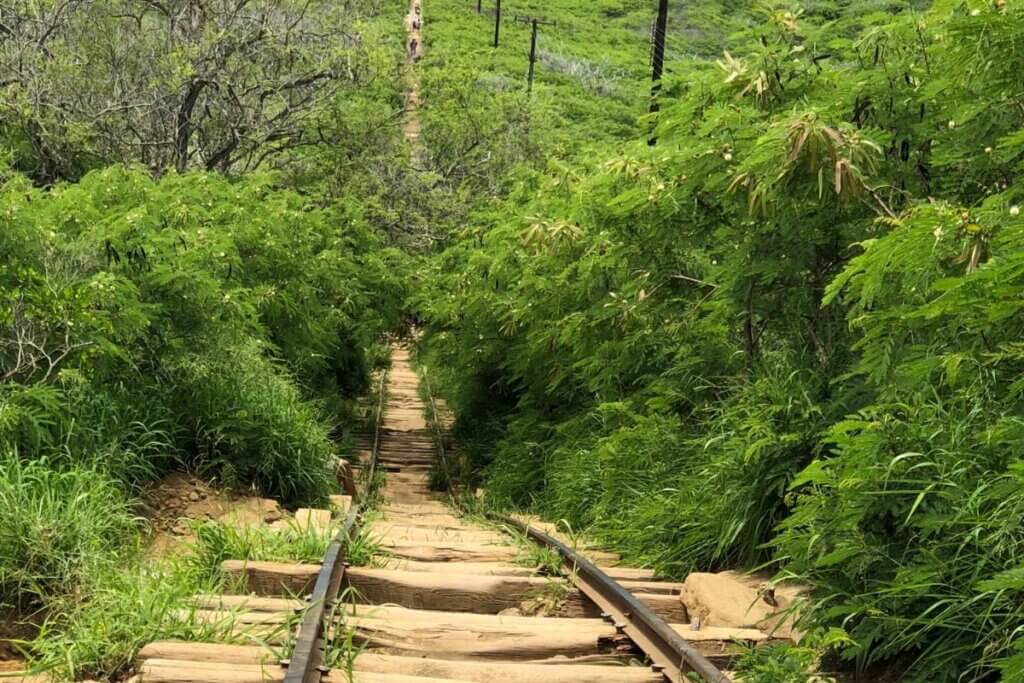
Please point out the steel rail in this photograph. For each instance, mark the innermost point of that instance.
(671, 654)
(307, 661)
(435, 422)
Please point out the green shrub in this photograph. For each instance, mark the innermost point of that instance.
(778, 664)
(786, 334)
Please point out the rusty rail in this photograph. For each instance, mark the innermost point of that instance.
(435, 422)
(307, 661)
(670, 654)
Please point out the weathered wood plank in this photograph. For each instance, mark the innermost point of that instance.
(557, 671)
(272, 578)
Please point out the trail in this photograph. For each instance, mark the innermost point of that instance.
(411, 126)
(447, 598)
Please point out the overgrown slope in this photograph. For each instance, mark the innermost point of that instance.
(785, 334)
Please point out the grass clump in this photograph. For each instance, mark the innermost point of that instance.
(218, 541)
(779, 663)
(129, 603)
(131, 599)
(57, 528)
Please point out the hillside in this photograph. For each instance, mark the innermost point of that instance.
(771, 322)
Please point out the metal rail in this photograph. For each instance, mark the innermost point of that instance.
(670, 653)
(435, 422)
(307, 661)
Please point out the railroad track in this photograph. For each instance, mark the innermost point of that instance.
(447, 600)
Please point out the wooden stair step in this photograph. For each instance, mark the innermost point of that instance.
(460, 635)
(272, 578)
(482, 671)
(426, 534)
(484, 568)
(316, 519)
(177, 671)
(208, 652)
(448, 552)
(477, 593)
(251, 603)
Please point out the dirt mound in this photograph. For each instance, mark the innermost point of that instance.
(180, 497)
(737, 600)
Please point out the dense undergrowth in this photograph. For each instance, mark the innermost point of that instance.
(165, 305)
(786, 335)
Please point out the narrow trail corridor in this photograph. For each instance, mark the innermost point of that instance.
(448, 601)
(445, 597)
(414, 50)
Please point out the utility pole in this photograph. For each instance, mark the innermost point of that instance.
(533, 55)
(658, 58)
(497, 24)
(534, 24)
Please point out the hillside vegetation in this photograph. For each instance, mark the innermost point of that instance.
(785, 335)
(775, 324)
(191, 279)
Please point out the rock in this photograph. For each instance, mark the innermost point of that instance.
(735, 600)
(271, 510)
(194, 496)
(511, 612)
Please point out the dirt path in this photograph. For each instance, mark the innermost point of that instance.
(414, 32)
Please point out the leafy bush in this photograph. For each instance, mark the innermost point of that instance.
(912, 529)
(194, 317)
(787, 333)
(244, 414)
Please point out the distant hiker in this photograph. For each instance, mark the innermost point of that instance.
(417, 9)
(414, 48)
(416, 23)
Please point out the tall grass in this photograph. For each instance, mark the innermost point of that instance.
(250, 424)
(216, 542)
(57, 528)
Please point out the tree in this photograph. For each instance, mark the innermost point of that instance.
(211, 84)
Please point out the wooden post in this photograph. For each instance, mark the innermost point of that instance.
(533, 55)
(535, 25)
(658, 60)
(479, 6)
(497, 23)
